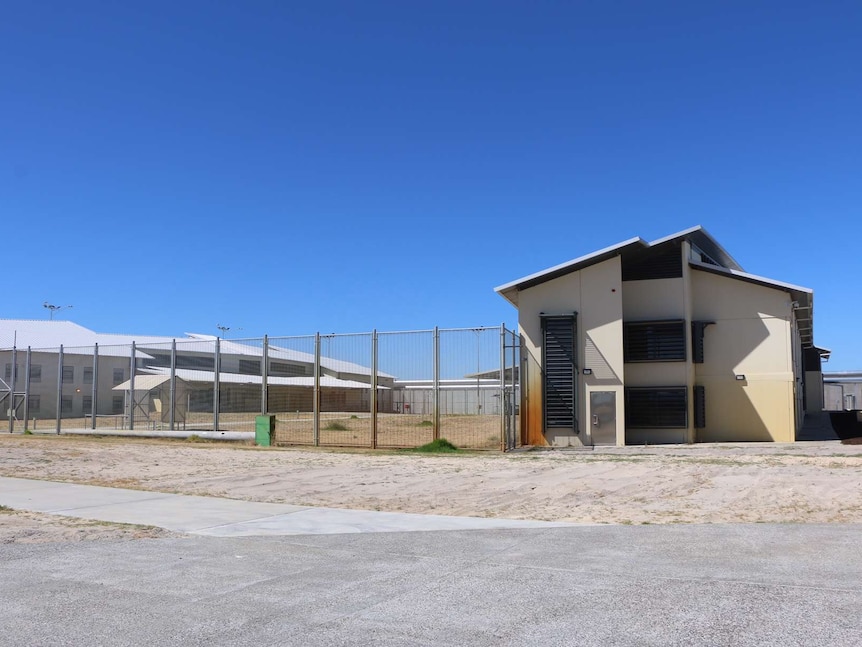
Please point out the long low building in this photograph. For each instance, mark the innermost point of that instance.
(85, 373)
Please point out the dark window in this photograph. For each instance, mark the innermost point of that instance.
(8, 373)
(286, 370)
(35, 372)
(68, 374)
(88, 375)
(87, 406)
(249, 366)
(35, 403)
(66, 404)
(661, 407)
(699, 407)
(654, 341)
(559, 361)
(119, 376)
(117, 404)
(663, 262)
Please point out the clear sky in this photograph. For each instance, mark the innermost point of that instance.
(292, 167)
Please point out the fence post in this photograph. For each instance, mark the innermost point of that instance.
(59, 386)
(436, 386)
(94, 396)
(12, 380)
(172, 413)
(27, 388)
(374, 389)
(264, 375)
(316, 396)
(216, 371)
(132, 389)
(513, 402)
(503, 443)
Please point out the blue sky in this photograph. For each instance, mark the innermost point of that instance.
(287, 167)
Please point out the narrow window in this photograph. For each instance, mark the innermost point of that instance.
(117, 404)
(119, 376)
(68, 374)
(87, 407)
(665, 407)
(66, 404)
(35, 372)
(88, 375)
(699, 407)
(35, 403)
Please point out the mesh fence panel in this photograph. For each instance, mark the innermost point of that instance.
(195, 367)
(96, 390)
(345, 390)
(470, 393)
(240, 384)
(290, 391)
(153, 388)
(405, 394)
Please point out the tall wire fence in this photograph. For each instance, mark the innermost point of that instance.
(373, 390)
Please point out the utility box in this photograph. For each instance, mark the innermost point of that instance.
(264, 428)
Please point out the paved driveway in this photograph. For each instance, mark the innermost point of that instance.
(601, 585)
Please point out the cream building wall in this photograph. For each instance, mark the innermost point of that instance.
(752, 337)
(656, 300)
(595, 293)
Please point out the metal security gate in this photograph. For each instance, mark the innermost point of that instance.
(559, 361)
(511, 392)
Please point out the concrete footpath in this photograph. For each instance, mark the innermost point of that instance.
(216, 517)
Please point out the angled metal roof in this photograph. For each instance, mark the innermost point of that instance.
(696, 235)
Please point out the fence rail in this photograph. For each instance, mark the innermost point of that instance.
(376, 389)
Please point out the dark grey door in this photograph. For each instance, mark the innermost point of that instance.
(603, 417)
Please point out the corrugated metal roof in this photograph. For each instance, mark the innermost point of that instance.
(144, 382)
(49, 335)
(191, 375)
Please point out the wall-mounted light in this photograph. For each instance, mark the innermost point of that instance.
(588, 371)
(740, 378)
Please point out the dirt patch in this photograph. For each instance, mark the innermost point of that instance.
(756, 482)
(20, 527)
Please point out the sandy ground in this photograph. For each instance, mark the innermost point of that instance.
(801, 483)
(21, 527)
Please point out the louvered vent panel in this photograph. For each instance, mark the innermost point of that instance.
(560, 372)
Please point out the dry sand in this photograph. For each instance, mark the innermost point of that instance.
(21, 527)
(800, 483)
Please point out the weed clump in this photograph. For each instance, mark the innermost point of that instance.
(439, 446)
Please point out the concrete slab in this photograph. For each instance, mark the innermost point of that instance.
(218, 517)
(327, 521)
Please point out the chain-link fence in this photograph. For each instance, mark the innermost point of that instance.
(378, 389)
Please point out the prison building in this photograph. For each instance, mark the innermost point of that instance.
(662, 342)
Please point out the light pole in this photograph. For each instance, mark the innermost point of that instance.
(52, 308)
(226, 329)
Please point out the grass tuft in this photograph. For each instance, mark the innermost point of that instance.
(425, 423)
(335, 426)
(439, 446)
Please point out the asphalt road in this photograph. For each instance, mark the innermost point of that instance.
(602, 585)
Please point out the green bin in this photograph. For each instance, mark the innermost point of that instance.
(264, 427)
